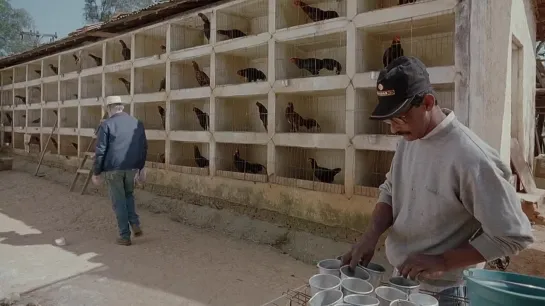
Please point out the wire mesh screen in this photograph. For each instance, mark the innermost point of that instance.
(316, 112)
(189, 157)
(69, 117)
(152, 114)
(242, 161)
(241, 20)
(34, 117)
(152, 42)
(118, 50)
(315, 169)
(69, 146)
(92, 57)
(50, 92)
(91, 86)
(19, 74)
(290, 13)
(50, 117)
(430, 39)
(371, 167)
(34, 71)
(19, 141)
(366, 101)
(51, 67)
(34, 94)
(34, 143)
(7, 77)
(156, 153)
(118, 83)
(371, 5)
(19, 118)
(150, 79)
(69, 90)
(309, 57)
(7, 97)
(191, 73)
(244, 65)
(20, 96)
(242, 114)
(190, 115)
(191, 32)
(70, 62)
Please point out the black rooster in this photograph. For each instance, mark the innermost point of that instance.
(39, 72)
(125, 51)
(54, 69)
(394, 51)
(324, 175)
(252, 74)
(201, 76)
(36, 120)
(10, 120)
(314, 13)
(333, 65)
(163, 84)
(127, 84)
(203, 118)
(21, 97)
(312, 65)
(296, 121)
(75, 145)
(400, 2)
(244, 166)
(262, 114)
(232, 33)
(76, 59)
(200, 160)
(98, 60)
(162, 114)
(206, 25)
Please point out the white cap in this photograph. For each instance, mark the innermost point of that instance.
(113, 100)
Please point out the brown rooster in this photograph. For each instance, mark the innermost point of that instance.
(314, 13)
(204, 119)
(200, 75)
(394, 51)
(295, 120)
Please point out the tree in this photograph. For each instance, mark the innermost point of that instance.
(92, 12)
(12, 23)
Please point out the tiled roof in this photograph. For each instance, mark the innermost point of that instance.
(119, 23)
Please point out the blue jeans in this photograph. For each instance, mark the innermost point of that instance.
(121, 189)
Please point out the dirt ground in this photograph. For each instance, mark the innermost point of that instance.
(172, 264)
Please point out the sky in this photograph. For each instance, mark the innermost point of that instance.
(50, 16)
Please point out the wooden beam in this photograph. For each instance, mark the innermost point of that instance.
(101, 34)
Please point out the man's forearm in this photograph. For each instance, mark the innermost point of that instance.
(381, 220)
(462, 256)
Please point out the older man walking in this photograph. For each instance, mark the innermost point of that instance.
(446, 199)
(120, 155)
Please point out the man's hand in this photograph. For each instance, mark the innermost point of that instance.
(96, 179)
(362, 251)
(431, 266)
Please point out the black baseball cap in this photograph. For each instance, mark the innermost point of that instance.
(398, 84)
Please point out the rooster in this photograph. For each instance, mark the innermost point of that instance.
(314, 13)
(76, 59)
(244, 166)
(333, 65)
(36, 121)
(394, 51)
(235, 33)
(400, 2)
(206, 25)
(125, 51)
(203, 118)
(98, 60)
(75, 145)
(324, 175)
(54, 69)
(39, 72)
(162, 115)
(163, 48)
(163, 84)
(127, 84)
(295, 120)
(200, 160)
(312, 65)
(21, 97)
(262, 114)
(252, 74)
(200, 75)
(10, 120)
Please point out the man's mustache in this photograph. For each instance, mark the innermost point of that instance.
(402, 133)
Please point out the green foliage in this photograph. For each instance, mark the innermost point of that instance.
(12, 23)
(93, 12)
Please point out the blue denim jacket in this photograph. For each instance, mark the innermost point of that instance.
(121, 144)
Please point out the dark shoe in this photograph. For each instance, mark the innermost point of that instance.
(136, 231)
(123, 241)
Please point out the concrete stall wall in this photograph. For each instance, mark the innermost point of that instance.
(218, 116)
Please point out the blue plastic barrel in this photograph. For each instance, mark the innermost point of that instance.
(495, 288)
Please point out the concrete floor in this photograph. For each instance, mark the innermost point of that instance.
(172, 264)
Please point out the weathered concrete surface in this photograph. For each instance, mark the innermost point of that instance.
(173, 264)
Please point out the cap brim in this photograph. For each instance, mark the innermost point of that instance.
(386, 110)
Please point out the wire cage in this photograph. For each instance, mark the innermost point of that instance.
(430, 39)
(318, 55)
(7, 77)
(91, 86)
(242, 161)
(291, 13)
(150, 79)
(314, 169)
(191, 73)
(152, 114)
(69, 90)
(34, 94)
(34, 70)
(371, 5)
(190, 32)
(91, 57)
(151, 42)
(70, 62)
(241, 20)
(244, 65)
(242, 114)
(189, 157)
(119, 50)
(311, 112)
(50, 91)
(20, 96)
(190, 115)
(19, 74)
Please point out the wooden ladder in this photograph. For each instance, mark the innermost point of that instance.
(81, 169)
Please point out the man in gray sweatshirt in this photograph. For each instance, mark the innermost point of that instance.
(446, 199)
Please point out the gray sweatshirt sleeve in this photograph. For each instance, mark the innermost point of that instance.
(493, 201)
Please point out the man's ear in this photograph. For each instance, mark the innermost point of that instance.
(429, 102)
